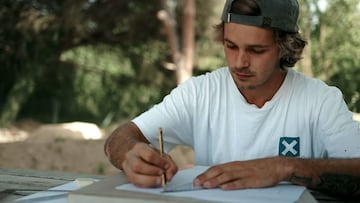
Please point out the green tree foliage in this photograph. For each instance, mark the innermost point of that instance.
(208, 54)
(80, 60)
(345, 51)
(336, 47)
(20, 33)
(89, 60)
(102, 60)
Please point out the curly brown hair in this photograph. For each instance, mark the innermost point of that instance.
(291, 45)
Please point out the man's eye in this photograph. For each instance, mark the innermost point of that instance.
(230, 46)
(257, 51)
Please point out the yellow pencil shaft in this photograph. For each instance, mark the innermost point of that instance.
(161, 146)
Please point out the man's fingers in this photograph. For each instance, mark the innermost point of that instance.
(141, 167)
(237, 175)
(147, 176)
(171, 169)
(150, 155)
(144, 166)
(221, 176)
(141, 180)
(138, 165)
(238, 184)
(207, 177)
(218, 180)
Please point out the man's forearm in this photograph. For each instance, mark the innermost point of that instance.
(338, 177)
(121, 141)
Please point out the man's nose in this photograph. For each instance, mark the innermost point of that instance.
(242, 59)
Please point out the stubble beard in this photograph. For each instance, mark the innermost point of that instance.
(248, 87)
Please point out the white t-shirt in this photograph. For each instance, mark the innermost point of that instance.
(305, 118)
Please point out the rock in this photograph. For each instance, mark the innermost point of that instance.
(356, 116)
(12, 135)
(74, 130)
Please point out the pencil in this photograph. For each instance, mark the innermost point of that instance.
(161, 146)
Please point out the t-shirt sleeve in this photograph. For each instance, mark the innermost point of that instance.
(340, 133)
(173, 115)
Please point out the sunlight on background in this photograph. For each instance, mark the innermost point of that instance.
(322, 5)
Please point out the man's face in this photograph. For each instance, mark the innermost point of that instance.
(252, 56)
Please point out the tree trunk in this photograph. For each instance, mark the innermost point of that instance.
(16, 98)
(306, 63)
(182, 59)
(184, 72)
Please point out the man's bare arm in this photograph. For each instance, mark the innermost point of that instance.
(337, 177)
(121, 141)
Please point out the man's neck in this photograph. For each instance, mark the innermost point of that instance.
(262, 94)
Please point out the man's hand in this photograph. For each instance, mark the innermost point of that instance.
(144, 166)
(129, 150)
(244, 174)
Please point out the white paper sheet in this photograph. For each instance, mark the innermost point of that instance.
(50, 196)
(56, 194)
(282, 193)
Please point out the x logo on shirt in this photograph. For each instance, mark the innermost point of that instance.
(289, 146)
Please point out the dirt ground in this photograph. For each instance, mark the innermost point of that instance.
(71, 147)
(63, 147)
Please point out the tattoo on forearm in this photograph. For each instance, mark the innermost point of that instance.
(340, 185)
(306, 181)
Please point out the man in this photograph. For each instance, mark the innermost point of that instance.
(256, 122)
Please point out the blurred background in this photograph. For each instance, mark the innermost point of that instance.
(71, 71)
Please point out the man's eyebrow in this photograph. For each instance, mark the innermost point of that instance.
(250, 45)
